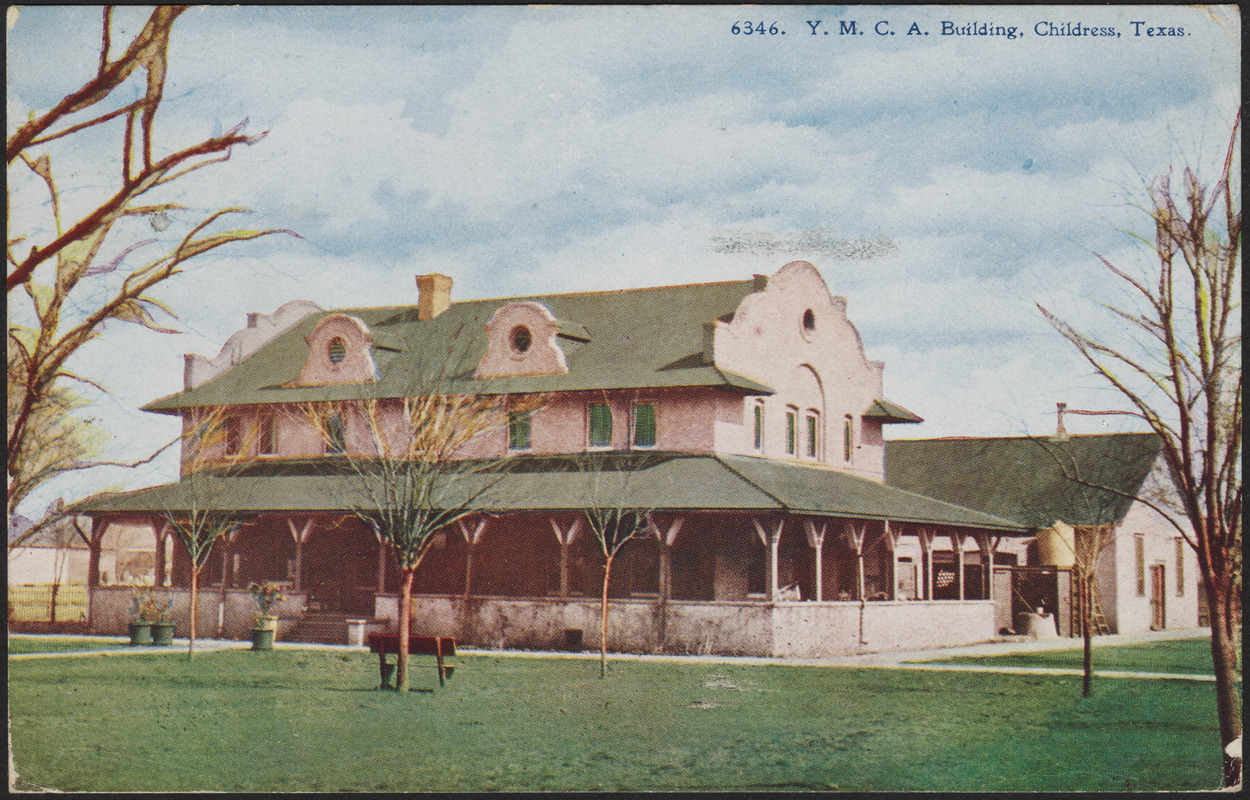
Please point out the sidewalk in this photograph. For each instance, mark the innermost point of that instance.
(899, 659)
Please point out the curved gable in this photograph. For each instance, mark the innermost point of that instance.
(340, 350)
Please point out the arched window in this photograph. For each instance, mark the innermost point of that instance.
(813, 433)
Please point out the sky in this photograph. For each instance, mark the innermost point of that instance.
(945, 168)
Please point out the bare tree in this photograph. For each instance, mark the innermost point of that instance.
(411, 482)
(214, 451)
(1189, 363)
(614, 518)
(43, 438)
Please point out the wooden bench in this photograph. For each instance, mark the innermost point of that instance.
(385, 644)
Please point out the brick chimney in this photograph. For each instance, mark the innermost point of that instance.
(433, 295)
(1060, 431)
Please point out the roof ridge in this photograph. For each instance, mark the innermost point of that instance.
(1048, 437)
(518, 298)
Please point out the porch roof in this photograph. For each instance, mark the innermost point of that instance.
(654, 480)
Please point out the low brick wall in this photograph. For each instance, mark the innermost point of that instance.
(110, 611)
(824, 629)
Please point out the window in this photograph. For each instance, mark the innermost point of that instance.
(813, 430)
(521, 338)
(1139, 547)
(644, 424)
(848, 440)
(791, 421)
(759, 425)
(336, 442)
(232, 436)
(519, 430)
(1180, 567)
(266, 435)
(600, 425)
(337, 350)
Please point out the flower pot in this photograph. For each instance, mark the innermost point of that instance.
(262, 638)
(140, 633)
(162, 633)
(267, 624)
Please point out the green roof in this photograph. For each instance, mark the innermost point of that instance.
(658, 481)
(637, 338)
(886, 411)
(1031, 480)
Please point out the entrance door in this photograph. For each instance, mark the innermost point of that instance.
(1158, 598)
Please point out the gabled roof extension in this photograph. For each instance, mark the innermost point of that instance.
(1029, 480)
(636, 338)
(653, 480)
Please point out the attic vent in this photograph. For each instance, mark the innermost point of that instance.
(337, 350)
(809, 320)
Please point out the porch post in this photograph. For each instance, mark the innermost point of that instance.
(957, 544)
(300, 535)
(227, 547)
(925, 536)
(816, 540)
(565, 538)
(377, 534)
(855, 534)
(987, 548)
(666, 538)
(771, 539)
(892, 535)
(471, 538)
(855, 537)
(160, 528)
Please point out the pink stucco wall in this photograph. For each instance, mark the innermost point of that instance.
(1130, 611)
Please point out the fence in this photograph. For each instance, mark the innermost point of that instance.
(33, 602)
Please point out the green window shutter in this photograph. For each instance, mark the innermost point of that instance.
(1139, 552)
(790, 432)
(600, 425)
(759, 426)
(846, 439)
(811, 435)
(644, 425)
(519, 430)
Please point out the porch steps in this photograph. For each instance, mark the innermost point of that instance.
(321, 627)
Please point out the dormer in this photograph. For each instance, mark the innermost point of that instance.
(521, 340)
(340, 350)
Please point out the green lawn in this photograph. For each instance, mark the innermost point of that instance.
(54, 644)
(1181, 657)
(289, 720)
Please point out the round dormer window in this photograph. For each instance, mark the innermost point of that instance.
(809, 323)
(521, 338)
(337, 350)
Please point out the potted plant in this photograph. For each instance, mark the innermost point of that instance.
(140, 625)
(158, 612)
(266, 594)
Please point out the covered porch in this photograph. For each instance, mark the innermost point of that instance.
(740, 555)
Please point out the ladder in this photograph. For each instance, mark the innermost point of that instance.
(1098, 620)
